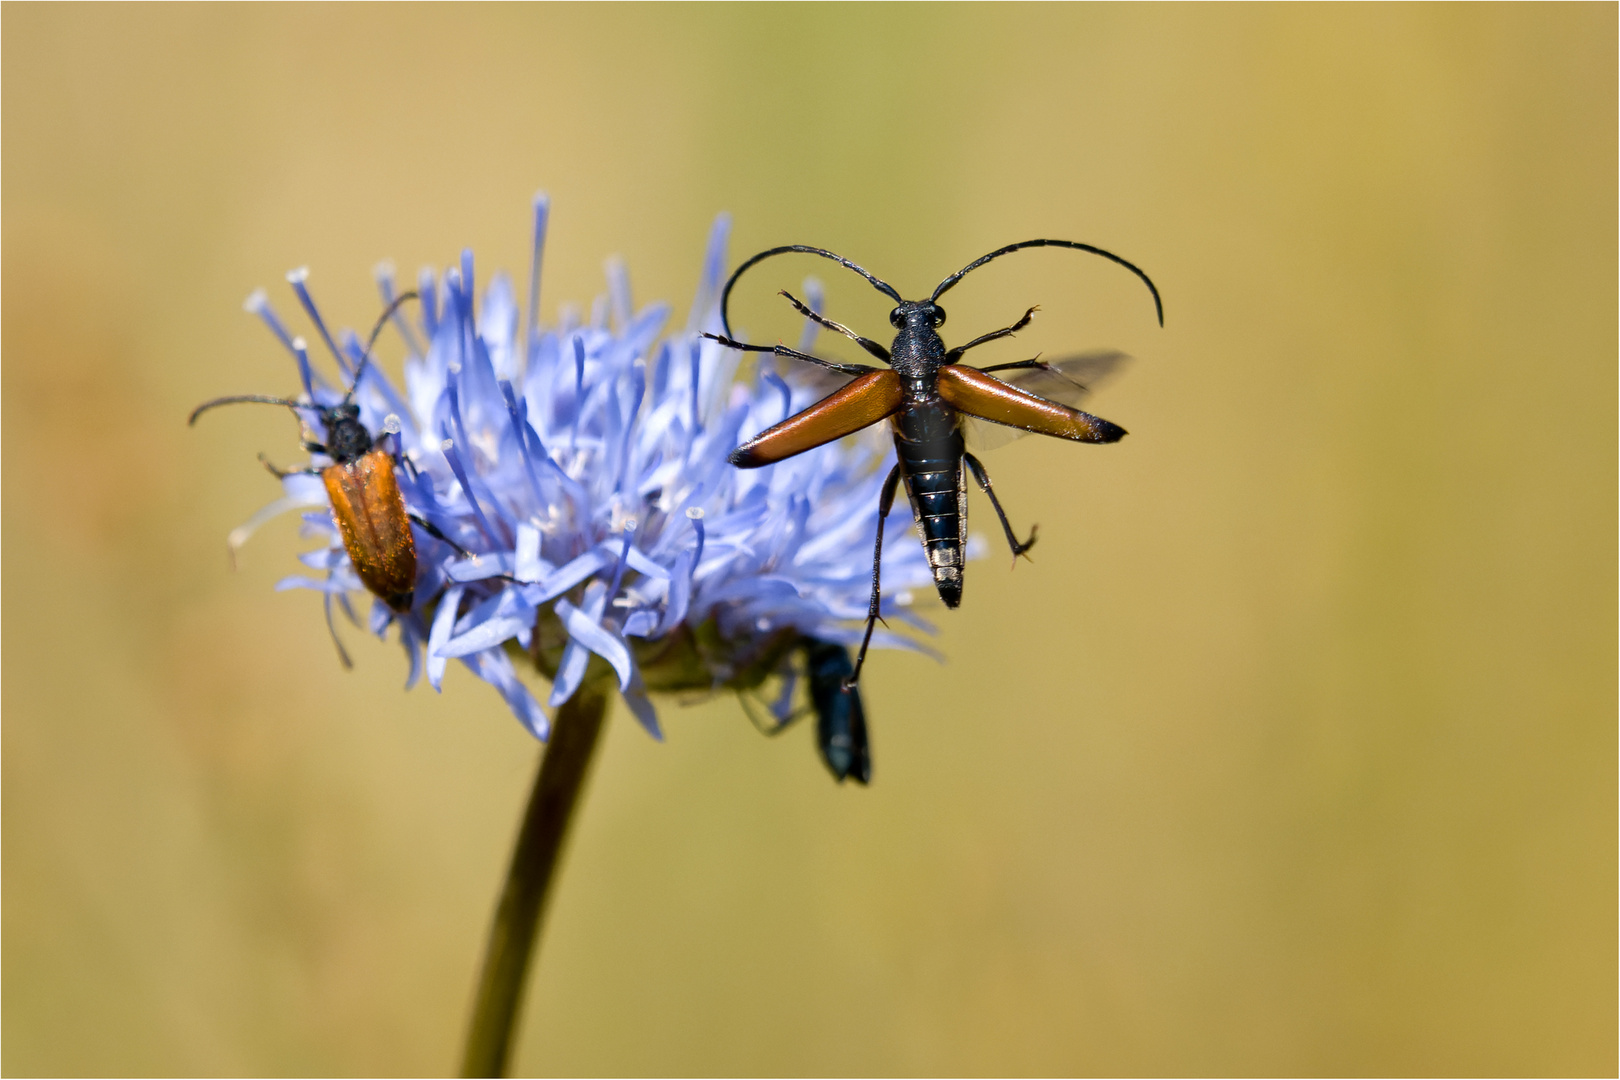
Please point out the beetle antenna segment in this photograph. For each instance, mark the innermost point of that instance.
(236, 399)
(376, 331)
(877, 283)
(1158, 305)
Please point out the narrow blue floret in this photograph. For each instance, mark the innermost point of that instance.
(583, 468)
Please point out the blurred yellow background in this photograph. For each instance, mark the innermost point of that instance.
(1293, 752)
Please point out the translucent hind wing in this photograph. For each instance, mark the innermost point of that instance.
(971, 391)
(1066, 381)
(1069, 380)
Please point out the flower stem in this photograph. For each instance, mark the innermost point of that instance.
(563, 766)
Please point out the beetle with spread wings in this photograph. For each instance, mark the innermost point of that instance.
(924, 393)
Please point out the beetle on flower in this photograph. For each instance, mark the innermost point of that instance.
(576, 497)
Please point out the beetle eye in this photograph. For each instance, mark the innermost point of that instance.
(897, 318)
(939, 315)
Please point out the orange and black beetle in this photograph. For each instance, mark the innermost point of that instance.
(366, 500)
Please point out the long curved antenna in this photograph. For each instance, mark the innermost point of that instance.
(365, 357)
(238, 398)
(1158, 305)
(878, 283)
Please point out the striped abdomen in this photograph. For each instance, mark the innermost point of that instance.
(929, 445)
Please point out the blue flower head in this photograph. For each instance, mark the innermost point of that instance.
(579, 474)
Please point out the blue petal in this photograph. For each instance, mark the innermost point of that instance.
(589, 633)
(570, 670)
(641, 624)
(574, 572)
(412, 643)
(486, 635)
(527, 565)
(479, 568)
(642, 709)
(299, 581)
(443, 621)
(714, 271)
(495, 668)
(612, 549)
(680, 594)
(381, 617)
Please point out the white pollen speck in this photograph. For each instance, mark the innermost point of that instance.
(300, 344)
(762, 624)
(629, 524)
(391, 424)
(256, 301)
(454, 366)
(299, 275)
(448, 444)
(383, 271)
(694, 512)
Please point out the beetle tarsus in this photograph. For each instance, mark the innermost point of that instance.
(955, 354)
(983, 479)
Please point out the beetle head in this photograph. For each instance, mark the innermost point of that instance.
(346, 437)
(917, 315)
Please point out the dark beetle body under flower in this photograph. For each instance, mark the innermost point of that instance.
(584, 468)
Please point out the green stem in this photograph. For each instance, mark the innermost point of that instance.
(528, 882)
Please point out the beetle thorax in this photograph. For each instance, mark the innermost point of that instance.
(917, 348)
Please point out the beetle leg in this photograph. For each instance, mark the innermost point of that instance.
(1006, 331)
(866, 343)
(983, 479)
(770, 726)
(793, 354)
(433, 530)
(282, 474)
(885, 504)
(1037, 362)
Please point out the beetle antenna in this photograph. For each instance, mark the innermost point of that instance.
(236, 399)
(1158, 305)
(877, 283)
(376, 331)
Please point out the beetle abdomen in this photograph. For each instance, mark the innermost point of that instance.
(370, 514)
(929, 447)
